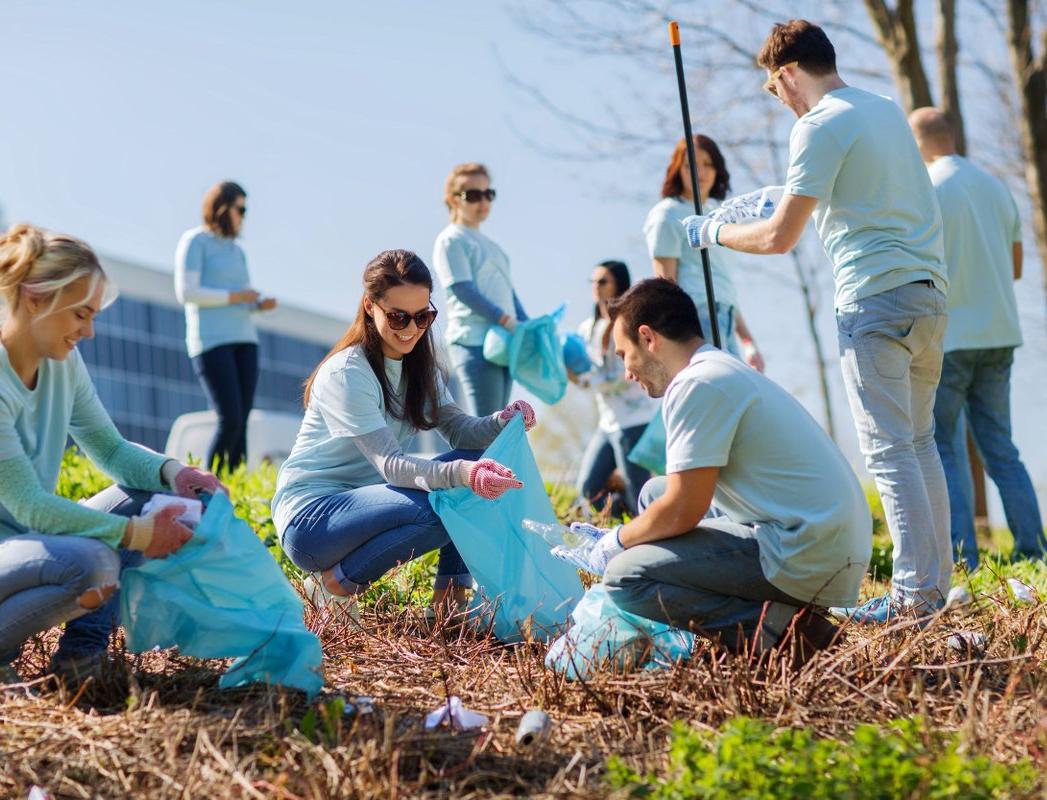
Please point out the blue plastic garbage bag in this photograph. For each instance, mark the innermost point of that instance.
(605, 635)
(512, 567)
(575, 356)
(223, 596)
(496, 345)
(536, 358)
(649, 450)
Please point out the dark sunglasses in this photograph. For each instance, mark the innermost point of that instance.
(476, 195)
(398, 320)
(241, 209)
(600, 281)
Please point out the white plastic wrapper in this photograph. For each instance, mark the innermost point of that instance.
(461, 718)
(1023, 593)
(194, 509)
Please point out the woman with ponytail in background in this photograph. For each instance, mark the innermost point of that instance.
(350, 504)
(212, 282)
(59, 559)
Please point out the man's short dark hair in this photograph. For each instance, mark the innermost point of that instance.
(659, 304)
(800, 41)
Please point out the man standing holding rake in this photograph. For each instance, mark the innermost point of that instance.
(855, 166)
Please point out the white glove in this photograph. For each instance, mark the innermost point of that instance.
(751, 206)
(606, 546)
(701, 230)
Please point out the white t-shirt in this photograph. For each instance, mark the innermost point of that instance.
(779, 473)
(877, 214)
(464, 254)
(345, 401)
(622, 403)
(667, 238)
(981, 226)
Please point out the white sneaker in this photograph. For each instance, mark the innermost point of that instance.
(318, 594)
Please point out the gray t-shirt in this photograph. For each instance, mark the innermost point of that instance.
(779, 473)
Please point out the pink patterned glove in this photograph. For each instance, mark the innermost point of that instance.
(519, 407)
(190, 481)
(490, 480)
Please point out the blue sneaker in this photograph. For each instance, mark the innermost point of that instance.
(878, 611)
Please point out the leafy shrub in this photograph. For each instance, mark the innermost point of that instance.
(752, 759)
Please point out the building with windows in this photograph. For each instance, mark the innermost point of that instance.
(145, 379)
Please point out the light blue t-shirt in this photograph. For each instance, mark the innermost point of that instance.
(464, 254)
(779, 473)
(981, 226)
(667, 238)
(37, 422)
(345, 401)
(877, 214)
(221, 264)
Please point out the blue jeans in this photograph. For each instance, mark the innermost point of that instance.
(708, 580)
(90, 633)
(605, 453)
(891, 355)
(229, 375)
(485, 386)
(41, 580)
(363, 533)
(979, 382)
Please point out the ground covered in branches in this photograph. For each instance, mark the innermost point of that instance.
(160, 728)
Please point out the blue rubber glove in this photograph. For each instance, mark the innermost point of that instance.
(701, 230)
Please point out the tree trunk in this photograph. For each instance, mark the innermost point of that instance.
(947, 48)
(896, 30)
(1030, 76)
(811, 311)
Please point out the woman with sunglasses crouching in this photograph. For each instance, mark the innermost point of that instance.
(350, 504)
(474, 273)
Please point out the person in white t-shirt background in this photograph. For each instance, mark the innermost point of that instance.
(624, 408)
(474, 273)
(673, 258)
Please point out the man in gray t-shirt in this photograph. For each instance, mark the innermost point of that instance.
(791, 526)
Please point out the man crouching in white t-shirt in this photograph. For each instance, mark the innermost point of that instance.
(759, 521)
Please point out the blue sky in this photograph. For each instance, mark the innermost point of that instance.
(342, 120)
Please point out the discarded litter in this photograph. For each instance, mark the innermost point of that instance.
(958, 596)
(1022, 592)
(359, 705)
(193, 507)
(967, 642)
(533, 730)
(461, 718)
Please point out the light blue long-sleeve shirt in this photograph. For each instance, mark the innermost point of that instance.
(207, 269)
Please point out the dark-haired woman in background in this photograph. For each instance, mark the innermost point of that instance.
(675, 259)
(623, 405)
(349, 503)
(212, 282)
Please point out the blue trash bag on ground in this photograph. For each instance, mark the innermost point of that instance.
(604, 635)
(536, 357)
(496, 345)
(223, 596)
(649, 450)
(513, 568)
(575, 356)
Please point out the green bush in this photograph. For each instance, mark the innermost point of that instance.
(752, 759)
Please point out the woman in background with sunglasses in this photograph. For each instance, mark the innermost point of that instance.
(350, 504)
(675, 259)
(212, 282)
(624, 407)
(474, 273)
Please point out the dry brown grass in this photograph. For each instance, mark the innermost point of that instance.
(163, 730)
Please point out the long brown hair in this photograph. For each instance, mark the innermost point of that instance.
(672, 186)
(216, 208)
(421, 399)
